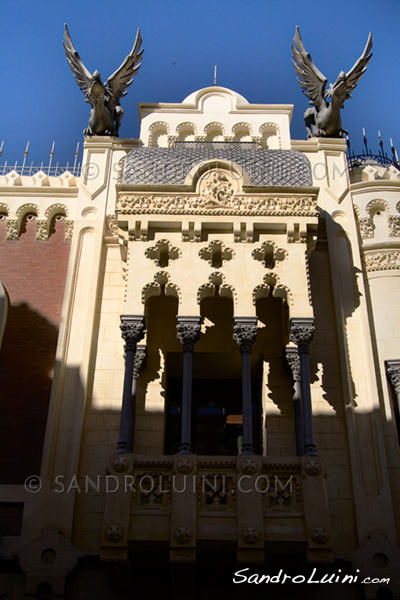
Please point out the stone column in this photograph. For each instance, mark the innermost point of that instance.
(244, 333)
(393, 372)
(132, 331)
(187, 332)
(301, 333)
(293, 359)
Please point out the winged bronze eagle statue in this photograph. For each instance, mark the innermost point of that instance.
(323, 118)
(106, 114)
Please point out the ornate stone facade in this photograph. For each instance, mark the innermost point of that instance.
(260, 415)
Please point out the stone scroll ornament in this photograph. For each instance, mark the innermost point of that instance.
(323, 118)
(106, 114)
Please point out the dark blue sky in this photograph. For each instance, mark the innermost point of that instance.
(249, 40)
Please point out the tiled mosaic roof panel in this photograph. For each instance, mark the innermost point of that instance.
(172, 165)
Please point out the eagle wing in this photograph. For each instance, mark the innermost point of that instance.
(118, 83)
(82, 75)
(311, 80)
(358, 70)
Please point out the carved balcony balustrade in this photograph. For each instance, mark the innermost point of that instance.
(252, 501)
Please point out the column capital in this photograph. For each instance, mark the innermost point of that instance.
(132, 330)
(139, 360)
(293, 360)
(302, 331)
(245, 331)
(393, 372)
(188, 331)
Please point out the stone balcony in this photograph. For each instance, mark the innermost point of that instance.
(250, 501)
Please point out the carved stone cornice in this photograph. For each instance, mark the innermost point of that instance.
(382, 260)
(139, 361)
(293, 360)
(301, 332)
(304, 206)
(393, 372)
(188, 331)
(244, 332)
(132, 330)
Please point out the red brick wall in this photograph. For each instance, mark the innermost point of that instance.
(33, 273)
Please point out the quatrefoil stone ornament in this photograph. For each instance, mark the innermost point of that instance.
(312, 467)
(183, 535)
(249, 466)
(320, 535)
(120, 464)
(250, 535)
(114, 533)
(184, 465)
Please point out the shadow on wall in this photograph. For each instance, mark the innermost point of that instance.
(27, 359)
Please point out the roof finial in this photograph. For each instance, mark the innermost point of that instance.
(215, 75)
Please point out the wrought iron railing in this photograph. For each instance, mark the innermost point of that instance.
(48, 169)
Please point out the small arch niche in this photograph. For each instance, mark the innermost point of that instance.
(270, 137)
(186, 132)
(379, 217)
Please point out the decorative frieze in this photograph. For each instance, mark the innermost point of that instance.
(69, 230)
(42, 232)
(382, 260)
(111, 226)
(394, 226)
(217, 203)
(366, 225)
(12, 229)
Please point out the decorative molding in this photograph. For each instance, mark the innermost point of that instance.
(271, 283)
(111, 226)
(216, 189)
(367, 227)
(183, 535)
(216, 281)
(278, 254)
(12, 229)
(320, 535)
(217, 492)
(241, 127)
(162, 278)
(163, 246)
(394, 226)
(69, 230)
(42, 231)
(188, 331)
(244, 331)
(293, 360)
(312, 467)
(55, 209)
(382, 260)
(114, 533)
(233, 205)
(216, 247)
(214, 126)
(186, 125)
(27, 208)
(301, 331)
(393, 372)
(132, 330)
(250, 535)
